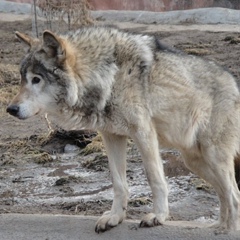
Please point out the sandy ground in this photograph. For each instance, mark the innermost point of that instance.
(73, 183)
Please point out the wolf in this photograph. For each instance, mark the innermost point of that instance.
(129, 85)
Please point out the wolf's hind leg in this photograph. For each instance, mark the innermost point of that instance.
(147, 141)
(116, 150)
(217, 168)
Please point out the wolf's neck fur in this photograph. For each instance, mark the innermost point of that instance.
(93, 72)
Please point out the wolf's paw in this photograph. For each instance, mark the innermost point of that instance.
(215, 225)
(108, 221)
(219, 228)
(151, 220)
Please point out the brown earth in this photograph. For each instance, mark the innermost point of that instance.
(40, 175)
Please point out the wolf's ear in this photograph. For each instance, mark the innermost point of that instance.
(26, 40)
(53, 45)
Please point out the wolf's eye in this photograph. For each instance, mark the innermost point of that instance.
(36, 80)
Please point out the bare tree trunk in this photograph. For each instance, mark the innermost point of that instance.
(35, 17)
(69, 20)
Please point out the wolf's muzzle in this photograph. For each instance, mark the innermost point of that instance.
(13, 110)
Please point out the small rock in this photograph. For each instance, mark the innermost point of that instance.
(69, 148)
(228, 38)
(61, 181)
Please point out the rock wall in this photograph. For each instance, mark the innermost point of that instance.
(161, 5)
(153, 5)
(156, 5)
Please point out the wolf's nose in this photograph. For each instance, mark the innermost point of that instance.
(13, 110)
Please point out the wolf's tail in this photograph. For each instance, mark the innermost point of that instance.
(237, 169)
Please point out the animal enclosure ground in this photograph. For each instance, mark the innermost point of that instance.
(38, 176)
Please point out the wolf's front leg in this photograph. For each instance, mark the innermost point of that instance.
(147, 141)
(116, 150)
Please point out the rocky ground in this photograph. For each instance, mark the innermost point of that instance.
(42, 174)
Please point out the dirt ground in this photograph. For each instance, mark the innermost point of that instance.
(39, 174)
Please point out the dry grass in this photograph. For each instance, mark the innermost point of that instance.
(232, 39)
(98, 163)
(201, 184)
(9, 81)
(6, 94)
(95, 146)
(27, 149)
(139, 201)
(197, 51)
(200, 49)
(41, 158)
(65, 14)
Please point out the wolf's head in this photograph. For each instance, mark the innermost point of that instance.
(47, 76)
